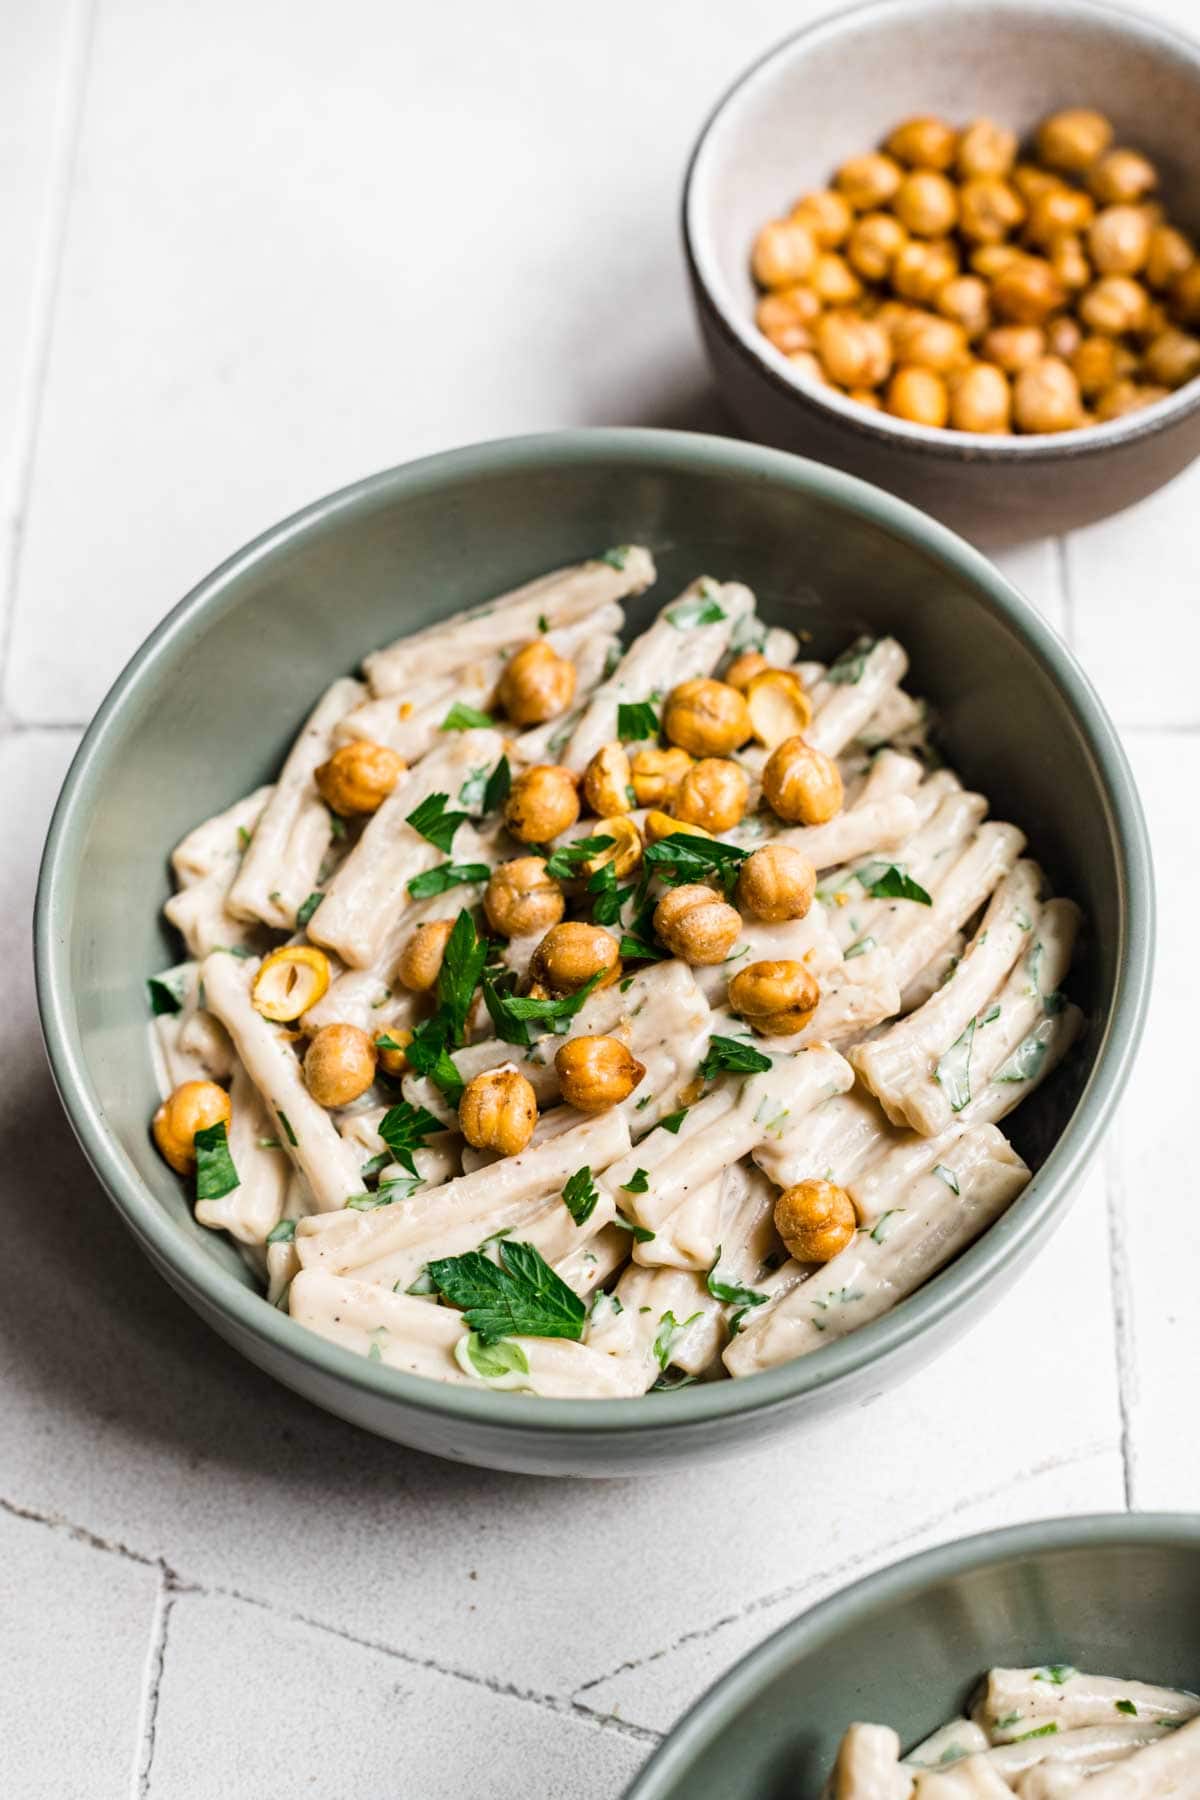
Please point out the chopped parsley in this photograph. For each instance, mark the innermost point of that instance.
(337, 826)
(465, 718)
(859, 949)
(885, 880)
(674, 1120)
(462, 966)
(847, 671)
(215, 1173)
(511, 1012)
(446, 875)
(1041, 1731)
(1057, 1674)
(1025, 1062)
(385, 1195)
(990, 1017)
(427, 1055)
(306, 911)
(543, 624)
(635, 721)
(882, 1229)
(404, 1129)
(501, 1363)
(288, 1133)
(948, 1176)
(730, 1293)
(682, 858)
(519, 1296)
(433, 822)
(699, 610)
(670, 1330)
(498, 784)
(243, 839)
(564, 862)
(1126, 1706)
(580, 1195)
(283, 1233)
(617, 557)
(166, 992)
(732, 1056)
(638, 1183)
(638, 1233)
(953, 1071)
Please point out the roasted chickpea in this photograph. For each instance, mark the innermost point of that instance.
(608, 781)
(988, 209)
(1119, 240)
(744, 668)
(657, 774)
(1172, 358)
(420, 961)
(869, 181)
(865, 397)
(498, 1111)
(776, 883)
(1056, 210)
(807, 366)
(537, 684)
(1069, 262)
(193, 1106)
(1114, 305)
(1028, 291)
(964, 300)
(358, 777)
(834, 281)
(1168, 255)
(815, 1219)
(919, 396)
(1046, 397)
(339, 1065)
(1122, 176)
(696, 925)
(1126, 397)
(595, 1073)
(520, 898)
(1155, 320)
(802, 784)
(856, 352)
(706, 717)
(981, 400)
(1072, 140)
(289, 981)
(542, 803)
(921, 269)
(390, 1049)
(571, 953)
(625, 851)
(874, 242)
(1099, 362)
(925, 341)
(786, 317)
(1185, 295)
(827, 215)
(923, 143)
(660, 825)
(1063, 336)
(778, 706)
(986, 148)
(1013, 347)
(713, 793)
(926, 204)
(989, 259)
(784, 252)
(776, 998)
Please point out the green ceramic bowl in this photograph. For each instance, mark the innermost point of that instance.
(208, 706)
(1116, 1594)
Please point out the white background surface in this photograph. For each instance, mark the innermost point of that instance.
(253, 249)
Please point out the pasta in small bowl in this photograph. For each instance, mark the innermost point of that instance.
(608, 994)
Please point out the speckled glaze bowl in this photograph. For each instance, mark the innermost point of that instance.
(208, 706)
(832, 91)
(1115, 1594)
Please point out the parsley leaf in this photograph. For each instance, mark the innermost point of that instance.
(385, 1194)
(215, 1173)
(500, 1364)
(427, 1055)
(564, 862)
(305, 912)
(1057, 1674)
(682, 858)
(1025, 1061)
(635, 721)
(670, 1331)
(953, 1071)
(465, 718)
(462, 966)
(166, 992)
(1126, 1706)
(510, 1011)
(607, 897)
(674, 1120)
(882, 1229)
(404, 1129)
(638, 1233)
(733, 1056)
(699, 610)
(283, 1233)
(498, 784)
(522, 1296)
(580, 1195)
(729, 1293)
(617, 557)
(885, 880)
(446, 875)
(948, 1176)
(288, 1133)
(847, 671)
(1042, 1731)
(433, 822)
(859, 949)
(638, 1183)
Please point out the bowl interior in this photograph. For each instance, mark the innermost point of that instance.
(210, 706)
(1114, 1597)
(837, 88)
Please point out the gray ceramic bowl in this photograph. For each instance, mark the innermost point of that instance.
(207, 707)
(832, 91)
(1117, 1594)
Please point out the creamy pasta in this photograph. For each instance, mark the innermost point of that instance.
(584, 1018)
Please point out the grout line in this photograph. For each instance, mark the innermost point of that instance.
(1063, 572)
(1122, 1306)
(81, 1534)
(164, 1600)
(48, 275)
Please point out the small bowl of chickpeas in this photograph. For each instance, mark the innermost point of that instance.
(957, 250)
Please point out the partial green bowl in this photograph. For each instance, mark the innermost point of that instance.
(1116, 1594)
(208, 706)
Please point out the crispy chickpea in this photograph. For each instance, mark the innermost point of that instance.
(660, 825)
(989, 259)
(807, 365)
(865, 397)
(919, 396)
(988, 209)
(1069, 262)
(815, 1219)
(498, 1111)
(1028, 291)
(786, 317)
(1056, 210)
(923, 143)
(1063, 336)
(339, 1065)
(964, 300)
(542, 803)
(744, 668)
(625, 851)
(869, 181)
(656, 774)
(193, 1106)
(925, 341)
(537, 684)
(827, 215)
(1046, 397)
(891, 314)
(1155, 320)
(981, 399)
(874, 243)
(856, 352)
(778, 705)
(1122, 176)
(608, 781)
(1126, 397)
(571, 953)
(784, 252)
(420, 961)
(696, 925)
(358, 777)
(1013, 347)
(776, 883)
(834, 281)
(921, 269)
(1072, 140)
(776, 998)
(1030, 181)
(520, 898)
(390, 1049)
(1172, 358)
(1185, 295)
(595, 1073)
(802, 784)
(1119, 240)
(706, 717)
(289, 981)
(713, 793)
(1168, 255)
(986, 148)
(1114, 305)
(926, 204)
(1098, 363)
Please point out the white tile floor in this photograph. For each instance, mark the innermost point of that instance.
(254, 250)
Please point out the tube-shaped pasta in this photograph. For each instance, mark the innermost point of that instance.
(843, 708)
(868, 1765)
(973, 1778)
(1013, 1702)
(249, 1210)
(956, 1738)
(989, 857)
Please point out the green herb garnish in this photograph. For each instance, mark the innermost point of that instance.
(859, 949)
(882, 1229)
(890, 881)
(1025, 1061)
(288, 1133)
(670, 1331)
(674, 1120)
(730, 1293)
(510, 1012)
(953, 1071)
(1057, 1674)
(638, 1183)
(520, 1296)
(215, 1173)
(699, 610)
(498, 784)
(635, 721)
(681, 858)
(166, 992)
(306, 911)
(562, 864)
(283, 1233)
(465, 718)
(732, 1056)
(446, 875)
(847, 671)
(1042, 1731)
(496, 1362)
(404, 1129)
(1126, 1706)
(948, 1176)
(386, 1194)
(433, 822)
(580, 1195)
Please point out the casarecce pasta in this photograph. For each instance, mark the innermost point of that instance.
(1041, 1733)
(585, 1020)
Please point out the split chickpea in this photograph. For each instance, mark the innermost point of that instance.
(420, 961)
(608, 781)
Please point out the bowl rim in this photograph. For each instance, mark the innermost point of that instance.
(1012, 1239)
(708, 1716)
(876, 429)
